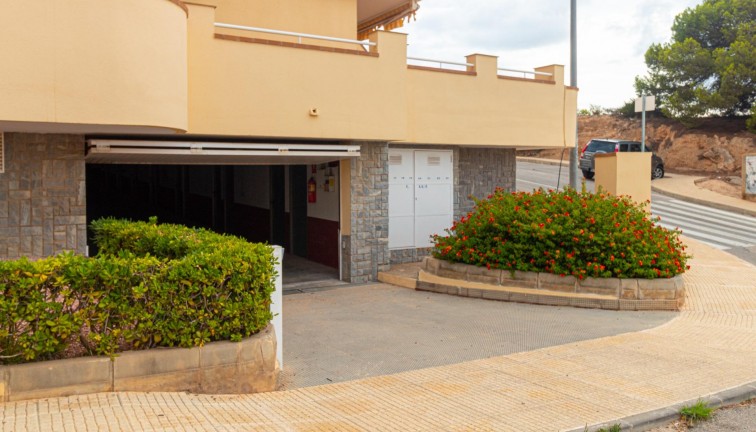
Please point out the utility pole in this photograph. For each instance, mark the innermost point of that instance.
(573, 83)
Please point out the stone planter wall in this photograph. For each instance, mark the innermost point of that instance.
(248, 366)
(547, 288)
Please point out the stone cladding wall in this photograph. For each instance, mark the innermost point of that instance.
(42, 196)
(365, 250)
(480, 171)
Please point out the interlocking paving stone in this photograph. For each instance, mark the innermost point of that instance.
(709, 347)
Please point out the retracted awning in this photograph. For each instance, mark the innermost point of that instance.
(110, 151)
(389, 14)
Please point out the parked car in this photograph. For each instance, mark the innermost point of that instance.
(594, 146)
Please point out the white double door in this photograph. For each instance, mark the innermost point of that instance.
(421, 200)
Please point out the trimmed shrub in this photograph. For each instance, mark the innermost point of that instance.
(150, 285)
(566, 233)
(38, 315)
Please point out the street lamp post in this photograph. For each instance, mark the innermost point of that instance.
(573, 83)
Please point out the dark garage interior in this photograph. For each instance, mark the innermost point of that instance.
(261, 203)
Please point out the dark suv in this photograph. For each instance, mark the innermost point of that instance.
(612, 145)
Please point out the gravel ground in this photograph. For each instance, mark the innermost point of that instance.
(740, 418)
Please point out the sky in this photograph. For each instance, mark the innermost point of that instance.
(612, 38)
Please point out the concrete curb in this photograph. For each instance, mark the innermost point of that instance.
(466, 280)
(221, 367)
(662, 416)
(543, 161)
(397, 280)
(707, 203)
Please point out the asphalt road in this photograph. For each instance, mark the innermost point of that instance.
(737, 418)
(731, 232)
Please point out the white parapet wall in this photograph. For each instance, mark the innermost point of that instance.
(276, 304)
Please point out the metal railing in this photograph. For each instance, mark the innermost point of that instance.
(524, 72)
(299, 36)
(441, 63)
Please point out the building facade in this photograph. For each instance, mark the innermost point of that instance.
(295, 122)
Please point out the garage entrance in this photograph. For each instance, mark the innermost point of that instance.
(295, 205)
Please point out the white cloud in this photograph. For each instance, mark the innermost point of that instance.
(612, 37)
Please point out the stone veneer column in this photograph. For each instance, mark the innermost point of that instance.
(366, 248)
(480, 171)
(42, 196)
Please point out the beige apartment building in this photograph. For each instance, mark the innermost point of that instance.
(294, 122)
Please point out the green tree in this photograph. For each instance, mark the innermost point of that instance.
(593, 110)
(709, 66)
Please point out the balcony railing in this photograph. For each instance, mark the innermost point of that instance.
(442, 64)
(299, 36)
(525, 72)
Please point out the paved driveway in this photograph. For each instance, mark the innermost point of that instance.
(355, 332)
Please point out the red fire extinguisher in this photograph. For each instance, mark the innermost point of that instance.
(312, 190)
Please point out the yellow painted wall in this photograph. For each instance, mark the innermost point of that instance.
(570, 116)
(448, 108)
(335, 18)
(143, 63)
(239, 88)
(624, 174)
(94, 62)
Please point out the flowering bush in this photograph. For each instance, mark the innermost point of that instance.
(566, 233)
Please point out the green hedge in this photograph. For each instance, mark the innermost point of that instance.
(150, 285)
(565, 233)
